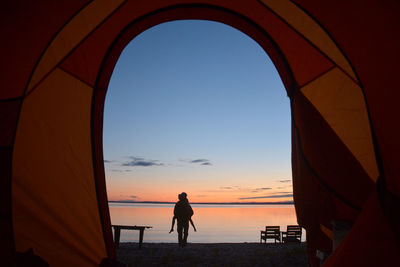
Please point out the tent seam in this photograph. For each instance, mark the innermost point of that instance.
(75, 76)
(311, 43)
(50, 42)
(19, 115)
(11, 99)
(319, 76)
(315, 174)
(374, 140)
(72, 50)
(50, 71)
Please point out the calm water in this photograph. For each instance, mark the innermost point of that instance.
(214, 223)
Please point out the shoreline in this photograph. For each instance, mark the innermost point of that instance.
(213, 254)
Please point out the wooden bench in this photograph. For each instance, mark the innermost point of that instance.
(292, 234)
(271, 232)
(117, 232)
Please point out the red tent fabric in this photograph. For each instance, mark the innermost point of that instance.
(337, 60)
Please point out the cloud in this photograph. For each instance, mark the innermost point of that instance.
(275, 196)
(107, 161)
(241, 189)
(201, 195)
(256, 190)
(204, 162)
(133, 196)
(141, 162)
(263, 188)
(115, 170)
(285, 181)
(236, 188)
(226, 187)
(283, 192)
(199, 160)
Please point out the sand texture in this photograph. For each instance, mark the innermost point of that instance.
(216, 254)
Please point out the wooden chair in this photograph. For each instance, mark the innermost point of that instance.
(271, 232)
(292, 234)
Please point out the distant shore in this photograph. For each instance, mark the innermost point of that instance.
(206, 203)
(213, 254)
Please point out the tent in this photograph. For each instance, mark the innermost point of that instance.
(337, 60)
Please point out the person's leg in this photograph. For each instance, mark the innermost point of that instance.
(180, 230)
(185, 232)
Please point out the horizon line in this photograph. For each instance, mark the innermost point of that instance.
(206, 203)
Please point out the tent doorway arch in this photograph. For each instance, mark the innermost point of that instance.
(173, 13)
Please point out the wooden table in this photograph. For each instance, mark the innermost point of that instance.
(117, 232)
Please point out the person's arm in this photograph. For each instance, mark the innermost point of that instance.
(191, 222)
(190, 211)
(173, 224)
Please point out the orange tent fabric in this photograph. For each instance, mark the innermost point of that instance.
(337, 60)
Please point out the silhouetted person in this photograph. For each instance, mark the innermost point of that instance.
(182, 213)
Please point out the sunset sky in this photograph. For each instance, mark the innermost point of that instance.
(196, 106)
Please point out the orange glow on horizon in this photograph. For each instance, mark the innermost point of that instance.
(193, 196)
(212, 188)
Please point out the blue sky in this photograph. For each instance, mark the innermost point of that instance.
(196, 106)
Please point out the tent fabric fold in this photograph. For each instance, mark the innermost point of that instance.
(337, 59)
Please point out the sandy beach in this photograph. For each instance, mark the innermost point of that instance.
(214, 254)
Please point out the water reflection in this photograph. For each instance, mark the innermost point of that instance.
(214, 223)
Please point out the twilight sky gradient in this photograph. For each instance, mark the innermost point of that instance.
(196, 106)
